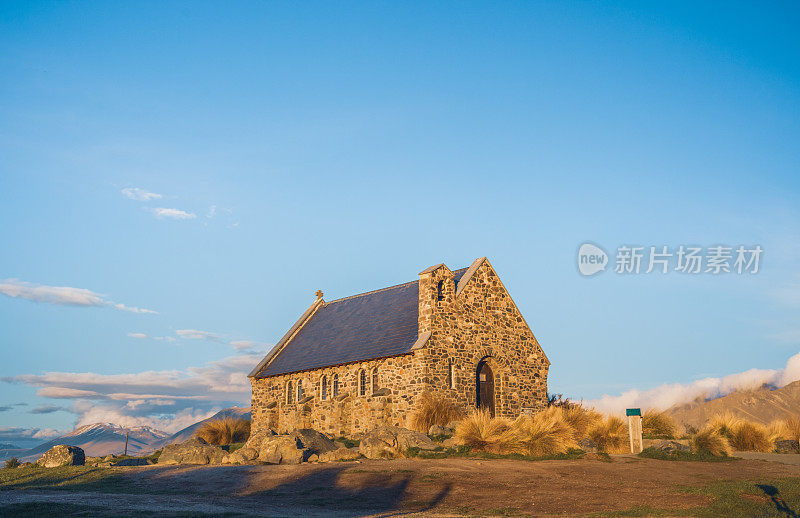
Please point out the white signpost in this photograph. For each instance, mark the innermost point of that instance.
(635, 428)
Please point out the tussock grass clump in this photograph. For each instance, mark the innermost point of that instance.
(711, 442)
(581, 419)
(658, 423)
(777, 430)
(725, 423)
(431, 410)
(749, 436)
(744, 435)
(546, 433)
(224, 431)
(482, 432)
(610, 435)
(792, 428)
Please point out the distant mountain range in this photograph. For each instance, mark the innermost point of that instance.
(102, 439)
(761, 405)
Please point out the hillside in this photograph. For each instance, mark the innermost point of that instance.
(188, 432)
(761, 405)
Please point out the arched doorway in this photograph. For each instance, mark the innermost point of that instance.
(484, 386)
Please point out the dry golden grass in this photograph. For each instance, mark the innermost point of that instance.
(749, 436)
(725, 423)
(431, 410)
(744, 435)
(581, 419)
(712, 442)
(777, 430)
(792, 428)
(610, 435)
(226, 430)
(482, 432)
(656, 422)
(546, 433)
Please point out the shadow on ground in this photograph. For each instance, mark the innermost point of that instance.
(780, 504)
(358, 492)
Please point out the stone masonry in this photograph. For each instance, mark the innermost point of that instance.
(460, 325)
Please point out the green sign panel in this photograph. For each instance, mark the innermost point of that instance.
(633, 411)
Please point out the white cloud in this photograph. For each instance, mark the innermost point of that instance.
(244, 345)
(195, 334)
(135, 193)
(212, 211)
(61, 295)
(167, 399)
(12, 433)
(178, 214)
(668, 395)
(144, 336)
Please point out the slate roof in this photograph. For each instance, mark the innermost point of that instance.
(372, 325)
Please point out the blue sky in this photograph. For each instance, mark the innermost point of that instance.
(347, 146)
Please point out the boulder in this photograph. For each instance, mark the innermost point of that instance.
(313, 440)
(670, 447)
(283, 449)
(787, 446)
(193, 451)
(341, 454)
(62, 455)
(438, 429)
(244, 455)
(392, 442)
(452, 442)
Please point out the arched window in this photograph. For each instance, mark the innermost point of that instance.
(289, 393)
(323, 388)
(299, 390)
(375, 380)
(362, 382)
(451, 374)
(335, 385)
(440, 291)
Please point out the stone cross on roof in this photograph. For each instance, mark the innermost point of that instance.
(319, 294)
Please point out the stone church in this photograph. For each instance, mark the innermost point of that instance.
(352, 364)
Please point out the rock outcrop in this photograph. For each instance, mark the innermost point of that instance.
(671, 447)
(193, 451)
(314, 440)
(62, 455)
(298, 446)
(340, 454)
(438, 429)
(391, 442)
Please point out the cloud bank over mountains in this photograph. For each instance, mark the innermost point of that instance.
(668, 395)
(168, 400)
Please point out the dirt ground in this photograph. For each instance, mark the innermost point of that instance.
(414, 487)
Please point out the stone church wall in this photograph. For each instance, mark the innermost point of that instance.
(480, 323)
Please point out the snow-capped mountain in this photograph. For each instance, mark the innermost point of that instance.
(104, 438)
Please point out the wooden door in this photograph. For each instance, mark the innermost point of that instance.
(485, 388)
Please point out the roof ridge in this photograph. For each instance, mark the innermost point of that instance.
(370, 292)
(381, 289)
